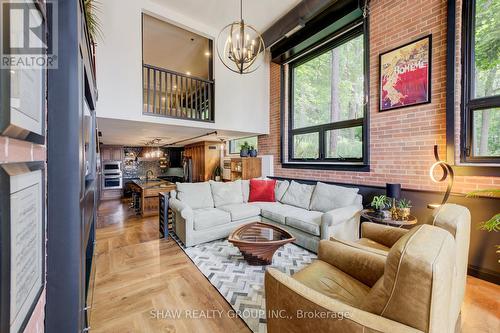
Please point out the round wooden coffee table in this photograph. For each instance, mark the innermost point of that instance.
(258, 241)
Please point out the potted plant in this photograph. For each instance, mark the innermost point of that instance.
(218, 173)
(245, 147)
(403, 208)
(252, 152)
(379, 204)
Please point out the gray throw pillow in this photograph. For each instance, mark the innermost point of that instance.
(328, 197)
(298, 195)
(280, 189)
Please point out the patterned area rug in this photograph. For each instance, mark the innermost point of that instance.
(239, 283)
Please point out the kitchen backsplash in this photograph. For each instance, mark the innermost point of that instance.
(133, 168)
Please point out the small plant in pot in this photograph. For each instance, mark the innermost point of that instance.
(244, 149)
(403, 208)
(218, 173)
(252, 152)
(380, 203)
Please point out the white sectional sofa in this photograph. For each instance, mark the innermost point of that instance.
(211, 210)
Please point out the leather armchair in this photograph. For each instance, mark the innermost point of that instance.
(453, 218)
(349, 289)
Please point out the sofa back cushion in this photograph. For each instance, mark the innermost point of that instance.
(227, 193)
(417, 283)
(262, 190)
(245, 188)
(281, 187)
(195, 195)
(327, 197)
(298, 195)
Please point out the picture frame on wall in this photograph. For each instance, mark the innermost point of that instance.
(405, 75)
(23, 85)
(22, 242)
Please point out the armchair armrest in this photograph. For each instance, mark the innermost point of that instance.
(293, 307)
(365, 266)
(341, 223)
(382, 234)
(180, 207)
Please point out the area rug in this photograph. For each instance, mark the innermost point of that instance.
(241, 284)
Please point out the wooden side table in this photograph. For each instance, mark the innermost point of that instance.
(370, 215)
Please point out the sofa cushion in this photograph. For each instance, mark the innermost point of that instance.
(278, 212)
(281, 187)
(245, 188)
(327, 197)
(206, 218)
(306, 220)
(227, 193)
(241, 211)
(195, 195)
(262, 190)
(332, 282)
(298, 195)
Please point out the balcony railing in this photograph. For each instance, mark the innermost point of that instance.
(176, 95)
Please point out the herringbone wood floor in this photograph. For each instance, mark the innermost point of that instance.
(136, 273)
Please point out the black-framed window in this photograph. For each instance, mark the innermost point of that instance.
(235, 145)
(327, 109)
(480, 125)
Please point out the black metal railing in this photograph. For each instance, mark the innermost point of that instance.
(176, 95)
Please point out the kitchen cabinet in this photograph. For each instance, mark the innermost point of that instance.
(111, 153)
(205, 156)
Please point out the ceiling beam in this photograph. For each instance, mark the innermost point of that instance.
(294, 20)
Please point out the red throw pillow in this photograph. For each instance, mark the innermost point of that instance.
(262, 190)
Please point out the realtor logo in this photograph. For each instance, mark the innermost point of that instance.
(25, 41)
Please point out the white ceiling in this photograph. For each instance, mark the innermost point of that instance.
(218, 13)
(136, 133)
(168, 46)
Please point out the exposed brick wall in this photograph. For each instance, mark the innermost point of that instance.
(402, 140)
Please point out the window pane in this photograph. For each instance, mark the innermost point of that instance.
(486, 141)
(344, 143)
(235, 145)
(329, 88)
(306, 145)
(487, 48)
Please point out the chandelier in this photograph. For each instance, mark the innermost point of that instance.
(240, 47)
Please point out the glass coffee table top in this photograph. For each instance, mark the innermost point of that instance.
(260, 232)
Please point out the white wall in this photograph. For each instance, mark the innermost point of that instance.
(241, 101)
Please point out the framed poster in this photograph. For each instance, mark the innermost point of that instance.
(23, 70)
(405, 75)
(22, 242)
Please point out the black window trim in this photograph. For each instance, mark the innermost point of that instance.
(353, 164)
(469, 104)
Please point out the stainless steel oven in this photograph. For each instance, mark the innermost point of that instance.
(112, 181)
(112, 176)
(111, 167)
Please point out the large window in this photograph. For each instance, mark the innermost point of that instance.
(235, 145)
(481, 82)
(326, 122)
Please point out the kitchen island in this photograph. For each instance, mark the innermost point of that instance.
(148, 191)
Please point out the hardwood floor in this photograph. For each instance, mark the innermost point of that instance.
(137, 273)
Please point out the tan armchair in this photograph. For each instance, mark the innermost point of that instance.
(349, 289)
(453, 218)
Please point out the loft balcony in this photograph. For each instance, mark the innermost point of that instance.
(172, 94)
